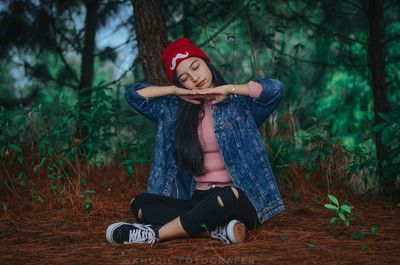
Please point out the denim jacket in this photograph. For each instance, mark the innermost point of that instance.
(236, 121)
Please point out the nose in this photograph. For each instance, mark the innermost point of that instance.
(194, 77)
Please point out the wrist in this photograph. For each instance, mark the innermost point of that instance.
(233, 90)
(173, 90)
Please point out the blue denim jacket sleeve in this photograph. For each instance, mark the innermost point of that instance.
(263, 105)
(149, 107)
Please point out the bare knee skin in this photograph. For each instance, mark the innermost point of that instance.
(220, 202)
(171, 230)
(236, 192)
(139, 214)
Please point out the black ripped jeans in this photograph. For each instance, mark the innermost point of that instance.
(204, 211)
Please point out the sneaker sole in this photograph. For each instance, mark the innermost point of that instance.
(236, 231)
(110, 231)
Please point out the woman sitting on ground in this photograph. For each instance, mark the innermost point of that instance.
(211, 174)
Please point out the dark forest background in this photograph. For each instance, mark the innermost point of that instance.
(66, 64)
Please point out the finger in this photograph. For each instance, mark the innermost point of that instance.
(206, 91)
(213, 92)
(184, 92)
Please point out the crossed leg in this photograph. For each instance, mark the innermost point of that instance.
(196, 216)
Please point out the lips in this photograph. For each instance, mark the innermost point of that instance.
(201, 83)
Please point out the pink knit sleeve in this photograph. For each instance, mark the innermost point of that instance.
(254, 89)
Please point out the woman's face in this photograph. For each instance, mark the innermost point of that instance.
(193, 73)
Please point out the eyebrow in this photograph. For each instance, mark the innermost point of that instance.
(189, 67)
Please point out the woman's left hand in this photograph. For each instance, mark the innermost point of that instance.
(218, 93)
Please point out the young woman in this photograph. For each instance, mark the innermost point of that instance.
(211, 174)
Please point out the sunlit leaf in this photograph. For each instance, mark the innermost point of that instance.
(334, 220)
(331, 207)
(333, 199)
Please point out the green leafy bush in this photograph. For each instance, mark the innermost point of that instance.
(343, 210)
(390, 131)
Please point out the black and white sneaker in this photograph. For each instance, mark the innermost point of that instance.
(233, 232)
(126, 233)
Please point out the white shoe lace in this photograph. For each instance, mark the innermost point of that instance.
(220, 233)
(142, 234)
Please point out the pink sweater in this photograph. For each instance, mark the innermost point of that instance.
(217, 175)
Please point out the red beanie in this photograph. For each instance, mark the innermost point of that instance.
(176, 52)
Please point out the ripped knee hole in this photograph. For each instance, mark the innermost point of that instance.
(236, 192)
(139, 214)
(220, 202)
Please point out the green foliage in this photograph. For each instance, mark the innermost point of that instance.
(87, 200)
(34, 196)
(12, 130)
(321, 58)
(363, 162)
(283, 237)
(135, 143)
(308, 149)
(129, 167)
(99, 119)
(374, 230)
(357, 235)
(363, 233)
(21, 179)
(54, 122)
(319, 142)
(390, 131)
(311, 245)
(343, 210)
(49, 127)
(344, 103)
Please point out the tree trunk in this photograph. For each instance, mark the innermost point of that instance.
(151, 38)
(87, 66)
(376, 62)
(187, 29)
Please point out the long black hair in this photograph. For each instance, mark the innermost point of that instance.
(189, 154)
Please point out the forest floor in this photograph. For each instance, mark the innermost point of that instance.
(58, 230)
